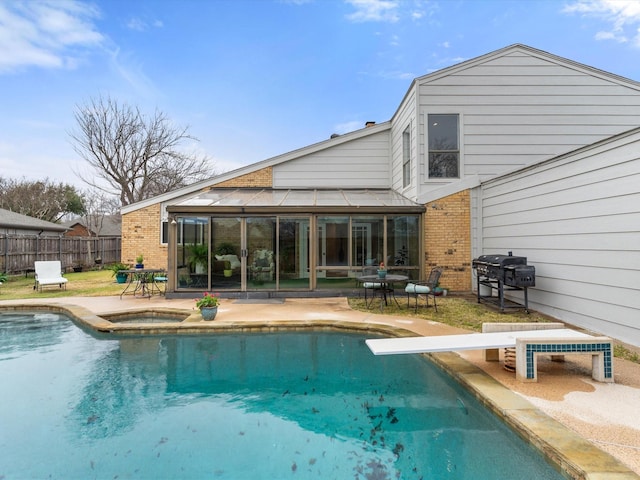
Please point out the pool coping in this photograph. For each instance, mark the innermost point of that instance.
(570, 453)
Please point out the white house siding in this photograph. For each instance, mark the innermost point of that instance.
(405, 118)
(577, 220)
(361, 163)
(521, 106)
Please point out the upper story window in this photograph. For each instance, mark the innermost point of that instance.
(444, 149)
(406, 158)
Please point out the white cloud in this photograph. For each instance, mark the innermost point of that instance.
(45, 34)
(622, 15)
(141, 25)
(374, 11)
(131, 71)
(347, 127)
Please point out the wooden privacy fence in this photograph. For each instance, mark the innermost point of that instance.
(18, 252)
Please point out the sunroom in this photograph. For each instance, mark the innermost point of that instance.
(288, 240)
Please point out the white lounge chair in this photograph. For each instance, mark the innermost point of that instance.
(49, 273)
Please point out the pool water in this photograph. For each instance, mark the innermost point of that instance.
(237, 406)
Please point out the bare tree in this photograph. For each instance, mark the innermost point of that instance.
(98, 205)
(137, 156)
(40, 199)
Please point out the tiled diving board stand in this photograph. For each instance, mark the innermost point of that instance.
(552, 339)
(600, 349)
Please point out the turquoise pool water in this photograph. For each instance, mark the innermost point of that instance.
(251, 406)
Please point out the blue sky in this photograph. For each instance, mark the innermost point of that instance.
(256, 78)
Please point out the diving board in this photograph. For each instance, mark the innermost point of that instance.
(471, 341)
(528, 344)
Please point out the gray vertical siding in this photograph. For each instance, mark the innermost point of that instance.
(577, 219)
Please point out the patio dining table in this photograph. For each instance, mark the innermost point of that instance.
(142, 282)
(386, 285)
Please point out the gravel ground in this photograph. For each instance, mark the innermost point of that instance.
(604, 413)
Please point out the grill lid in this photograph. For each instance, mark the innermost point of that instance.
(500, 261)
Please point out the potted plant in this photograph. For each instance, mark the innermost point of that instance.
(115, 271)
(198, 257)
(382, 271)
(208, 305)
(184, 280)
(226, 248)
(227, 269)
(140, 261)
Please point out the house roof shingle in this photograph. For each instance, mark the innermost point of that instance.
(9, 219)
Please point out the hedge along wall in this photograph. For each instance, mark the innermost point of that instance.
(447, 240)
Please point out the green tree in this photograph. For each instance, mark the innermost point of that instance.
(41, 199)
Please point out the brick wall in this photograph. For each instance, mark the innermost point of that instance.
(141, 235)
(77, 231)
(262, 178)
(448, 240)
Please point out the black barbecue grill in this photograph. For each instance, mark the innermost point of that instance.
(500, 271)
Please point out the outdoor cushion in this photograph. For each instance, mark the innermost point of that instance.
(413, 288)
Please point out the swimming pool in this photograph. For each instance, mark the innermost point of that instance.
(257, 406)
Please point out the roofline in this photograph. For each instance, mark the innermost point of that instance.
(269, 162)
(34, 228)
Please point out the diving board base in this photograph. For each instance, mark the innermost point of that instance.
(600, 349)
(528, 344)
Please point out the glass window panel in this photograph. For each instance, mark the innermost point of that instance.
(443, 132)
(333, 241)
(367, 240)
(261, 248)
(406, 158)
(226, 264)
(403, 244)
(293, 253)
(443, 165)
(193, 252)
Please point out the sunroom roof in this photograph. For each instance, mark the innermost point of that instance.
(248, 199)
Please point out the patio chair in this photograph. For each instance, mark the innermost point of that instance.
(48, 273)
(426, 289)
(371, 288)
(263, 265)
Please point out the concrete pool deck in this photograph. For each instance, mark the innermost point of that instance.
(606, 415)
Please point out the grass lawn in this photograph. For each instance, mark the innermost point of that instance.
(457, 311)
(97, 283)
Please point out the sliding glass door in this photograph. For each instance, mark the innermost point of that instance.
(261, 253)
(293, 253)
(226, 244)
